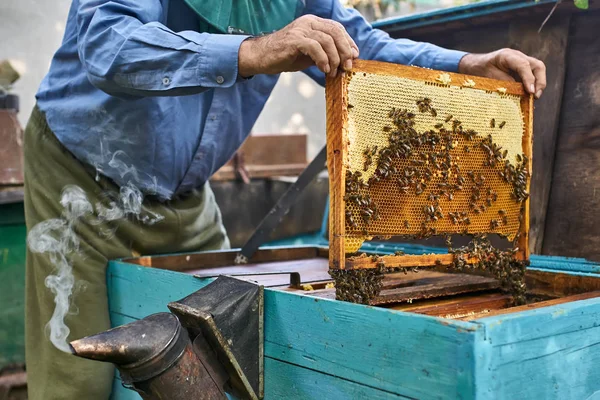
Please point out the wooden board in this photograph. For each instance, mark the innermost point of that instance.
(258, 198)
(519, 30)
(266, 156)
(572, 222)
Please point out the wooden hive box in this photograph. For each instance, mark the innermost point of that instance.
(414, 152)
(466, 345)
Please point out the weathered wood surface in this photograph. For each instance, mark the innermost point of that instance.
(573, 220)
(335, 90)
(265, 156)
(547, 353)
(519, 31)
(310, 344)
(244, 206)
(318, 335)
(457, 307)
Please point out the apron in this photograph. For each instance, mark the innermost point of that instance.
(248, 17)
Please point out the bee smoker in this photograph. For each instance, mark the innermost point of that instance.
(218, 348)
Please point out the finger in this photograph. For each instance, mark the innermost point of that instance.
(519, 63)
(340, 38)
(497, 73)
(353, 45)
(539, 71)
(328, 44)
(312, 48)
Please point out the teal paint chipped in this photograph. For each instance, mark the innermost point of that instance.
(311, 346)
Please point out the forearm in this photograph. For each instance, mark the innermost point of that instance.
(127, 52)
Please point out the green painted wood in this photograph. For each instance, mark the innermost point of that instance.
(549, 353)
(12, 284)
(408, 355)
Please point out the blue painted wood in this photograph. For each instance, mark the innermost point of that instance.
(547, 353)
(400, 353)
(317, 348)
(464, 12)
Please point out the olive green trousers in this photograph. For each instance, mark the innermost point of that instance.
(189, 223)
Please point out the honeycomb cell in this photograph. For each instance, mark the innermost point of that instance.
(401, 212)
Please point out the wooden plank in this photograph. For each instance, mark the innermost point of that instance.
(320, 334)
(560, 284)
(220, 258)
(547, 353)
(573, 222)
(430, 75)
(259, 171)
(335, 96)
(523, 242)
(458, 307)
(447, 285)
(540, 304)
(404, 261)
(550, 46)
(268, 155)
(287, 381)
(243, 212)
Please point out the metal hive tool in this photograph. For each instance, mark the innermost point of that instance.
(415, 152)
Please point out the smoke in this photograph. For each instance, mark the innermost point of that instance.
(58, 237)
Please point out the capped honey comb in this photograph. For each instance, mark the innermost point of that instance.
(415, 152)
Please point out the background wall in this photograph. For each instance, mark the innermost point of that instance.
(31, 31)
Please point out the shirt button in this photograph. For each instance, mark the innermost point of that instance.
(213, 117)
(220, 79)
(166, 81)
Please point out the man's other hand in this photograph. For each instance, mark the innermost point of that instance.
(307, 41)
(504, 63)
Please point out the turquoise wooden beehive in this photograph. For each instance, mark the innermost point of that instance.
(317, 348)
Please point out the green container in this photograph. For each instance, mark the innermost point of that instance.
(12, 284)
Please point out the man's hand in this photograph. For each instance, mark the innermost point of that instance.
(307, 41)
(502, 63)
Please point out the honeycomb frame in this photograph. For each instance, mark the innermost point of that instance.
(338, 158)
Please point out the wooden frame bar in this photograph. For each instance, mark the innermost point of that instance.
(337, 148)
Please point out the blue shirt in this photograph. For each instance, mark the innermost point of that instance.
(138, 93)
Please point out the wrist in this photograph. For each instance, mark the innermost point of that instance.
(471, 64)
(247, 59)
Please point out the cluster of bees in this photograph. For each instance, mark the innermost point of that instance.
(501, 264)
(358, 285)
(429, 156)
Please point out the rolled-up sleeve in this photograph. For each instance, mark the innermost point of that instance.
(375, 44)
(127, 51)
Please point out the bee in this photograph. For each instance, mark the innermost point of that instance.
(433, 112)
(398, 253)
(502, 124)
(387, 128)
(448, 118)
(350, 106)
(494, 224)
(406, 224)
(438, 126)
(492, 123)
(519, 158)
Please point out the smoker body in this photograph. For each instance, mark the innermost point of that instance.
(317, 348)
